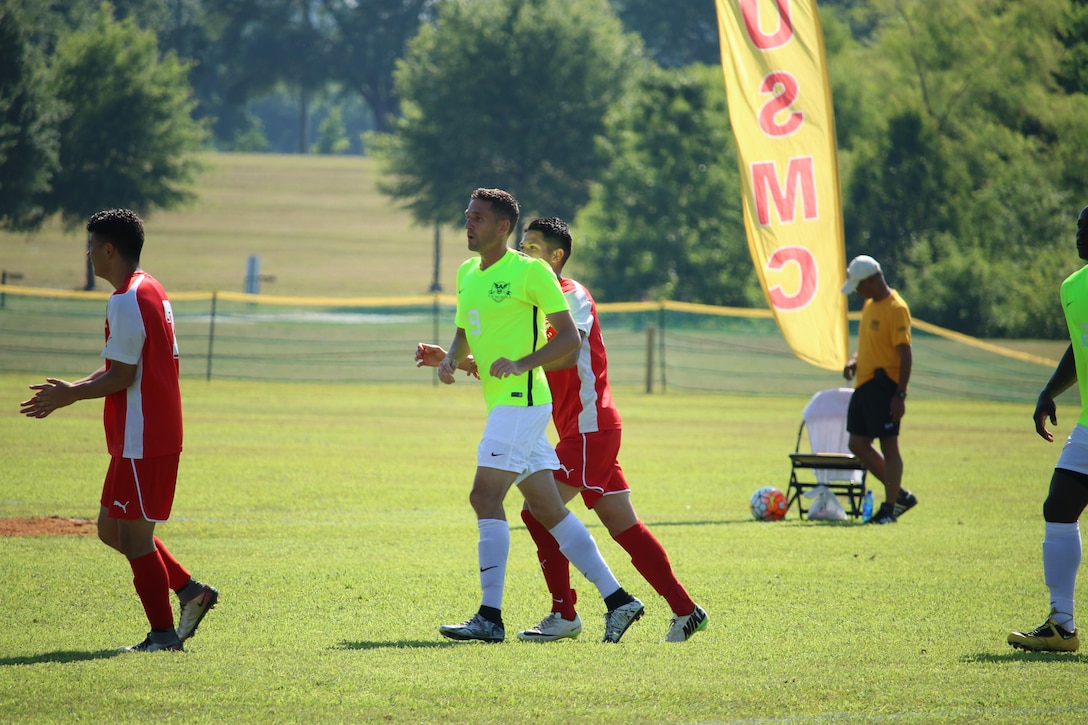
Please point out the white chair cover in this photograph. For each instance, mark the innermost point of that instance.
(825, 420)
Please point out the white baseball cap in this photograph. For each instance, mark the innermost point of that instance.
(861, 267)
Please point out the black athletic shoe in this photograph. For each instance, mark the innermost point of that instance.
(157, 642)
(885, 515)
(477, 628)
(904, 502)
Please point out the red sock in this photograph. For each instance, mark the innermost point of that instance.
(555, 566)
(649, 557)
(178, 575)
(151, 581)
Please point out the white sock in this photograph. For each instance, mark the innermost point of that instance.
(578, 546)
(494, 549)
(1061, 559)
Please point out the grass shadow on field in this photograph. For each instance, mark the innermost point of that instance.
(792, 522)
(663, 524)
(1016, 656)
(803, 523)
(62, 657)
(402, 644)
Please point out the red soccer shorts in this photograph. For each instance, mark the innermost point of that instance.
(588, 461)
(140, 488)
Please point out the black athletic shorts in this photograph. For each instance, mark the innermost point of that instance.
(869, 414)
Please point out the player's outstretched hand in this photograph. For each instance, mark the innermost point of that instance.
(52, 394)
(1045, 408)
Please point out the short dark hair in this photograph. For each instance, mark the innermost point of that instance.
(502, 202)
(555, 232)
(122, 228)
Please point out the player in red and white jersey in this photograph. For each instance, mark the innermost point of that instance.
(144, 419)
(143, 425)
(581, 398)
(589, 429)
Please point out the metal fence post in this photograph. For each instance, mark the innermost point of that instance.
(650, 358)
(434, 326)
(4, 277)
(211, 336)
(661, 342)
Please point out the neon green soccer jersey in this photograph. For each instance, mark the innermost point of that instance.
(501, 309)
(1075, 304)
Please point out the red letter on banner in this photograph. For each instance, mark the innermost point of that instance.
(809, 274)
(765, 179)
(762, 41)
(779, 103)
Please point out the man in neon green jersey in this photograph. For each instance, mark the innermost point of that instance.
(1069, 485)
(505, 302)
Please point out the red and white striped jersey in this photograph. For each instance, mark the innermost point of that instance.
(581, 397)
(144, 419)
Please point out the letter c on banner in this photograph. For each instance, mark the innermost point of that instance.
(806, 263)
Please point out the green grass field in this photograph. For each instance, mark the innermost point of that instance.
(334, 520)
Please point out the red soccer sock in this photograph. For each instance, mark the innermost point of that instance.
(651, 561)
(152, 586)
(178, 575)
(555, 566)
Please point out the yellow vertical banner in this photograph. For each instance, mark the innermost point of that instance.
(780, 108)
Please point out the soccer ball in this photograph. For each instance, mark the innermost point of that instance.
(768, 504)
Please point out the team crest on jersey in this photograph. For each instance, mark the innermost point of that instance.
(499, 291)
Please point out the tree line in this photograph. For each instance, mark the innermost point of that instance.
(962, 127)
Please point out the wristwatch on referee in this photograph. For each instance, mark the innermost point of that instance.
(902, 394)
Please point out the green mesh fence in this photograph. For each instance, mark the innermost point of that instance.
(654, 346)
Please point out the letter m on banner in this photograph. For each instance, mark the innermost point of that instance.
(779, 97)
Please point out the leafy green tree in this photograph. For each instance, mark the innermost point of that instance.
(331, 136)
(47, 22)
(857, 98)
(506, 93)
(676, 33)
(897, 194)
(28, 115)
(128, 135)
(978, 144)
(664, 219)
(259, 46)
(190, 28)
(367, 39)
(862, 16)
(1072, 77)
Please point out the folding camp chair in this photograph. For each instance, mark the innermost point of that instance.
(830, 462)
